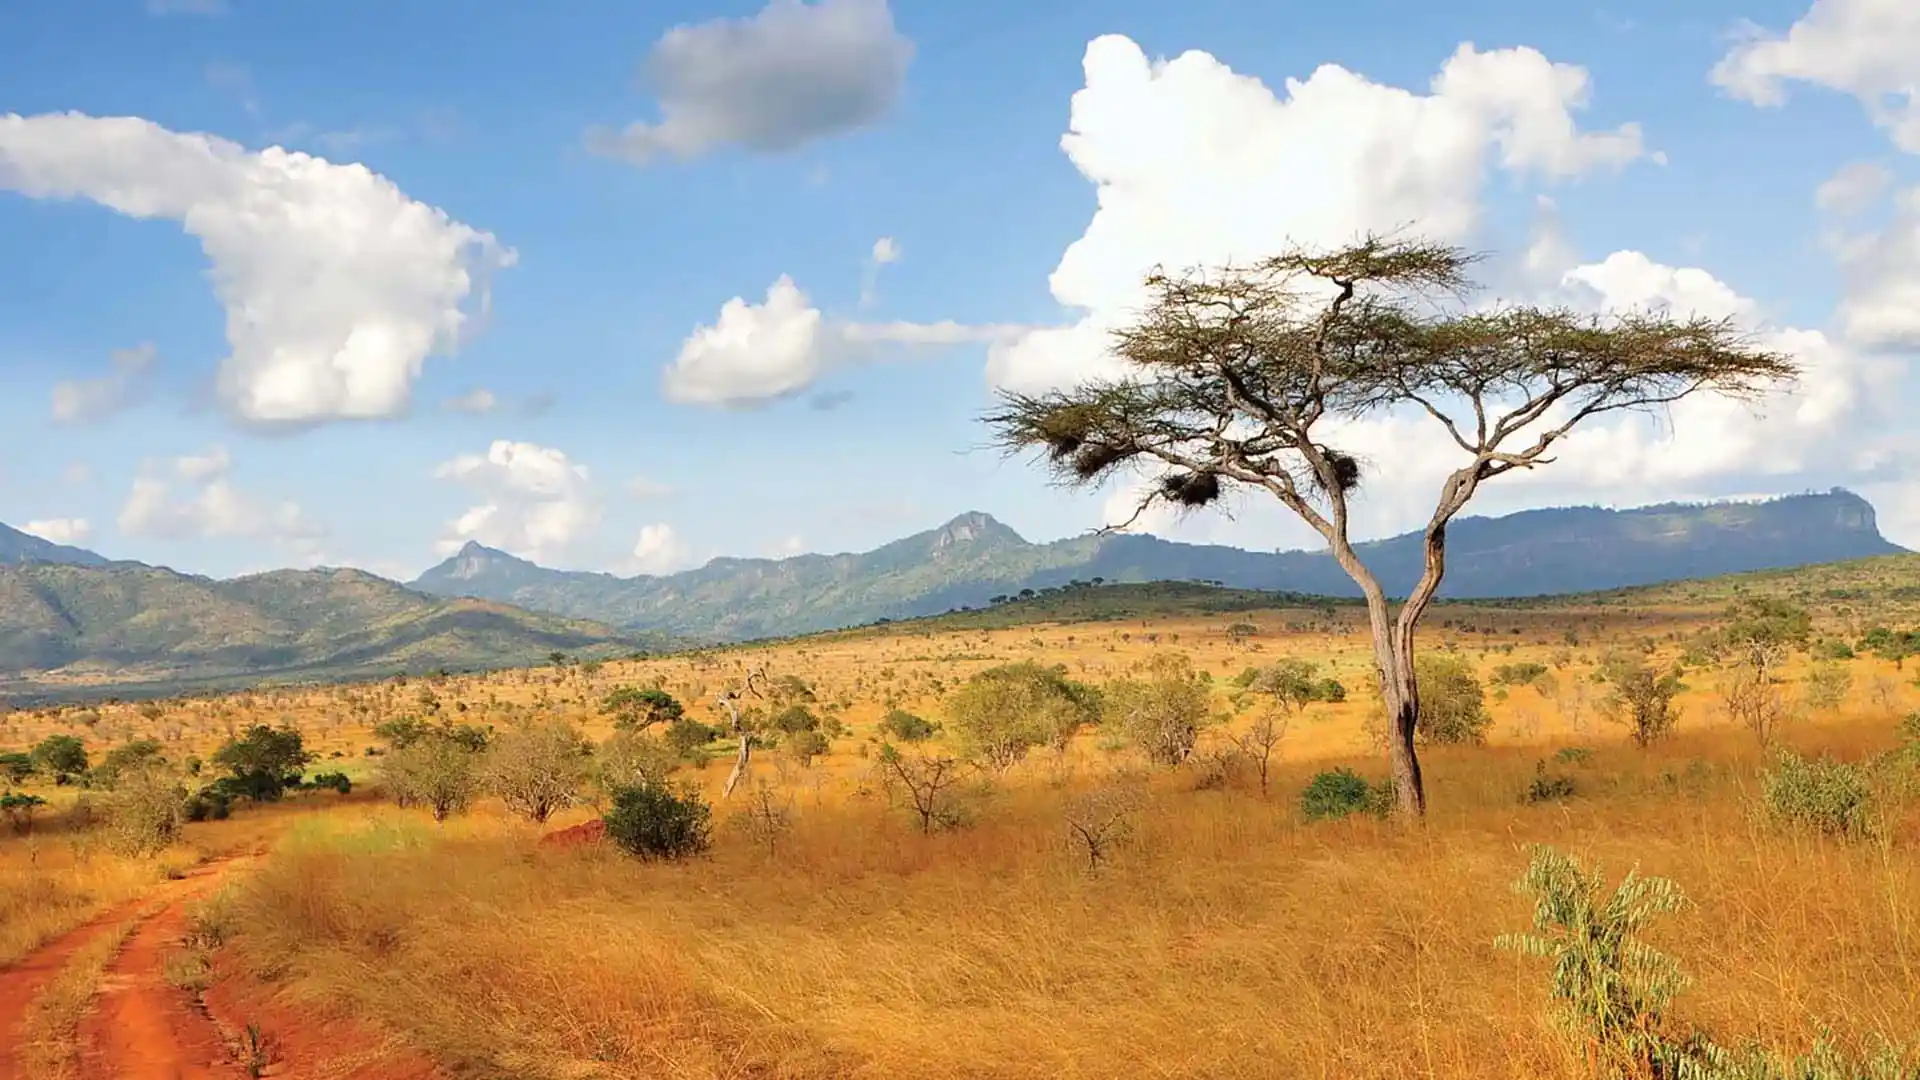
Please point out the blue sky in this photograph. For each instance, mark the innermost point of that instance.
(785, 144)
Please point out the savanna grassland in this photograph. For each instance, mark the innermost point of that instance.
(1118, 897)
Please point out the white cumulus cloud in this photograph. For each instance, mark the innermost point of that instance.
(1881, 304)
(1867, 48)
(337, 286)
(60, 530)
(535, 503)
(659, 550)
(1195, 165)
(80, 400)
(760, 352)
(794, 73)
(192, 497)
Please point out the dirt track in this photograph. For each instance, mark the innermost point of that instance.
(141, 1027)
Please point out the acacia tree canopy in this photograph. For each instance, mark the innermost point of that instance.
(1235, 376)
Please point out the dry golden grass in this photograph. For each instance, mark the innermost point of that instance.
(58, 878)
(1229, 939)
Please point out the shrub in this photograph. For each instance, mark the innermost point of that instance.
(1518, 674)
(1003, 712)
(1162, 714)
(435, 771)
(688, 738)
(905, 726)
(1832, 649)
(138, 754)
(1548, 787)
(336, 781)
(210, 803)
(1830, 797)
(1642, 700)
(16, 767)
(18, 807)
(62, 757)
(1453, 706)
(1572, 755)
(637, 709)
(146, 813)
(538, 769)
(1338, 793)
(653, 819)
(264, 762)
(804, 746)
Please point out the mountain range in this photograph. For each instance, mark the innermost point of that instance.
(70, 618)
(974, 557)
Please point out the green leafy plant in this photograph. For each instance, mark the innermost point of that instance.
(656, 820)
(1834, 798)
(1338, 793)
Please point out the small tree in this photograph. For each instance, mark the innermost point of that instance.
(1750, 689)
(1002, 713)
(146, 812)
(264, 762)
(905, 726)
(1453, 703)
(439, 771)
(1163, 713)
(1642, 699)
(538, 769)
(1099, 821)
(61, 757)
(931, 783)
(639, 708)
(627, 757)
(125, 758)
(1241, 378)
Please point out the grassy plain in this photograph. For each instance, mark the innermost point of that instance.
(1227, 938)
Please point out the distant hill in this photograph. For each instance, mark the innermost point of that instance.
(127, 624)
(973, 558)
(18, 548)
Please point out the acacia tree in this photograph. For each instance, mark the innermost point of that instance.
(1237, 379)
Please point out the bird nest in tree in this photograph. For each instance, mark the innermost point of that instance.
(1191, 489)
(1346, 469)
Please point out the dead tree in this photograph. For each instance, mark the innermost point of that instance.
(729, 699)
(1234, 378)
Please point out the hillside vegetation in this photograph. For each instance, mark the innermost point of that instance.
(973, 558)
(127, 625)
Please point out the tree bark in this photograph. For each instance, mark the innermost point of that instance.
(739, 763)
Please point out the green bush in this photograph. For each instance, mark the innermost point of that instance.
(19, 808)
(337, 781)
(1572, 755)
(653, 819)
(688, 737)
(16, 768)
(1518, 674)
(1548, 787)
(1830, 797)
(1453, 706)
(905, 726)
(210, 803)
(1338, 793)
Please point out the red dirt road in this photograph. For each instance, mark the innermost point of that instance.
(22, 984)
(141, 1027)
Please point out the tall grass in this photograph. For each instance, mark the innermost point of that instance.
(1230, 939)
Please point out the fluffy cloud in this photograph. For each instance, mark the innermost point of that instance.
(78, 400)
(759, 352)
(1853, 188)
(1195, 165)
(535, 502)
(209, 506)
(1867, 48)
(1881, 305)
(60, 530)
(659, 550)
(794, 73)
(337, 286)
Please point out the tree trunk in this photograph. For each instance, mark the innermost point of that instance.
(739, 764)
(1401, 693)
